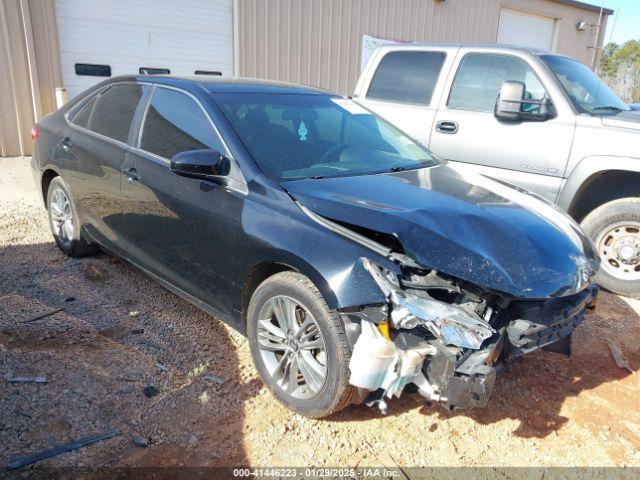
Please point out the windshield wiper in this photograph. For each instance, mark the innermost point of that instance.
(317, 177)
(608, 108)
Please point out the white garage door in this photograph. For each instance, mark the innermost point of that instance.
(127, 35)
(525, 30)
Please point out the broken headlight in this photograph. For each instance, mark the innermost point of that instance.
(451, 324)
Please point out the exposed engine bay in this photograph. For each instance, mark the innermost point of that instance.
(450, 338)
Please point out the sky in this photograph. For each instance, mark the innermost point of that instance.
(624, 24)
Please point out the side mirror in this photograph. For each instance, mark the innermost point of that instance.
(202, 164)
(512, 106)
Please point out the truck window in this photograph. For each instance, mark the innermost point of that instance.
(406, 77)
(480, 77)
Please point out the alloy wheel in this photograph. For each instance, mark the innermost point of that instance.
(292, 347)
(61, 216)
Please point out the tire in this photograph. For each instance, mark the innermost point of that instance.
(615, 229)
(303, 396)
(64, 223)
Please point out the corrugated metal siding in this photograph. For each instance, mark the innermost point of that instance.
(29, 70)
(317, 42)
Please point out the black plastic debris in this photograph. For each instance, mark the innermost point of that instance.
(52, 452)
(139, 441)
(151, 391)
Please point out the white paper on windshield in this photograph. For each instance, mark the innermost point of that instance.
(350, 106)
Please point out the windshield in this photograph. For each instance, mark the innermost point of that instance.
(296, 136)
(587, 91)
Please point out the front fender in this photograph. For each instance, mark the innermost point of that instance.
(279, 232)
(589, 166)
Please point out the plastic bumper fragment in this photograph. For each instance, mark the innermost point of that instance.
(543, 324)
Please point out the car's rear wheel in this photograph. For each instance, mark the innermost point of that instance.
(615, 229)
(63, 220)
(299, 345)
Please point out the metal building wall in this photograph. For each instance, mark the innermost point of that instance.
(317, 42)
(29, 70)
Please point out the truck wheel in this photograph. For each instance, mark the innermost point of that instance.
(64, 223)
(299, 346)
(615, 229)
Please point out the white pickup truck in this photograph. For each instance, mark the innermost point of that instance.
(534, 119)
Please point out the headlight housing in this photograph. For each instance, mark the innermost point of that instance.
(451, 324)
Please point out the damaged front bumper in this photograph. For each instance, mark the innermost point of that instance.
(449, 341)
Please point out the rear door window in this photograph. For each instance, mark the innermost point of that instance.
(114, 110)
(406, 77)
(480, 77)
(175, 123)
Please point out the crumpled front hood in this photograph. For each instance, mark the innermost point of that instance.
(463, 225)
(629, 120)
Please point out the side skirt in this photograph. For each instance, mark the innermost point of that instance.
(233, 323)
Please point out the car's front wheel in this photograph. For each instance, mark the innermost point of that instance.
(615, 229)
(299, 346)
(63, 219)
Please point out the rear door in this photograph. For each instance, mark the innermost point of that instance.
(404, 88)
(93, 146)
(532, 154)
(180, 229)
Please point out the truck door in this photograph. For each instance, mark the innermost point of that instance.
(403, 87)
(531, 154)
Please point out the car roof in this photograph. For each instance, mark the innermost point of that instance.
(220, 84)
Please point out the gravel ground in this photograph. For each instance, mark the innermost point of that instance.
(120, 332)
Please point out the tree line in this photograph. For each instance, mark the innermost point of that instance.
(620, 69)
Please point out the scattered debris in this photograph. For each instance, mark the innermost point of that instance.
(43, 315)
(52, 452)
(389, 462)
(151, 343)
(618, 355)
(162, 367)
(39, 379)
(151, 391)
(70, 299)
(139, 441)
(93, 273)
(193, 439)
(137, 331)
(134, 313)
(213, 379)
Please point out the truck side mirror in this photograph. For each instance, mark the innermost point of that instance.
(511, 106)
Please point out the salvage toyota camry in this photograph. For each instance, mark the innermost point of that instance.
(357, 263)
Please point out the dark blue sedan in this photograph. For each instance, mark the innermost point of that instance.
(355, 261)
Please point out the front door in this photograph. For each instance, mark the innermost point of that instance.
(531, 154)
(180, 229)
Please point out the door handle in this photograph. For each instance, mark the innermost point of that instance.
(132, 174)
(447, 126)
(65, 143)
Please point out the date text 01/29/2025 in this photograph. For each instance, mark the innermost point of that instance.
(321, 472)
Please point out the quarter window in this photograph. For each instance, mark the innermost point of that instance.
(82, 117)
(406, 77)
(175, 123)
(113, 111)
(480, 77)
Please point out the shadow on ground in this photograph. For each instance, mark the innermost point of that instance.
(119, 332)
